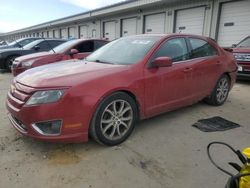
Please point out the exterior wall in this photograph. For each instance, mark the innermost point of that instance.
(95, 20)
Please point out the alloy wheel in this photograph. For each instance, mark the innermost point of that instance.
(222, 90)
(116, 119)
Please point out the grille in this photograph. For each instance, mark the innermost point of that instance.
(19, 94)
(242, 57)
(17, 124)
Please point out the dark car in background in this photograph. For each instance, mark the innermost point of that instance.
(73, 49)
(242, 55)
(19, 43)
(3, 43)
(7, 56)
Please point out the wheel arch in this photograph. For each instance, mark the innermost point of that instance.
(126, 91)
(8, 56)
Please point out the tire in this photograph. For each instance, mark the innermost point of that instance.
(112, 126)
(9, 61)
(220, 92)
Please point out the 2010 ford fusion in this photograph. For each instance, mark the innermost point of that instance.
(129, 79)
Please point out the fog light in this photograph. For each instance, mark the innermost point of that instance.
(48, 128)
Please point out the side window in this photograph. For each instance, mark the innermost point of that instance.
(26, 41)
(44, 46)
(176, 49)
(201, 48)
(87, 46)
(99, 43)
(54, 43)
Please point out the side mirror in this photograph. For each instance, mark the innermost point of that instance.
(36, 48)
(73, 52)
(234, 45)
(163, 62)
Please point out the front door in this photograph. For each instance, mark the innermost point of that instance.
(167, 88)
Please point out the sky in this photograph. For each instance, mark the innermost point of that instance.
(17, 14)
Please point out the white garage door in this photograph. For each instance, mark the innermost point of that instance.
(109, 30)
(83, 31)
(155, 23)
(234, 22)
(56, 34)
(50, 34)
(72, 32)
(45, 34)
(190, 21)
(129, 26)
(64, 33)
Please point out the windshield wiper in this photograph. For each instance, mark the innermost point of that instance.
(98, 61)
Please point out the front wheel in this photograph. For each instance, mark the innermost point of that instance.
(220, 92)
(9, 61)
(114, 119)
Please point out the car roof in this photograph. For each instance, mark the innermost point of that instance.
(90, 39)
(173, 34)
(49, 39)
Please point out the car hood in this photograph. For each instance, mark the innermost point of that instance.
(67, 74)
(34, 56)
(6, 47)
(241, 50)
(10, 50)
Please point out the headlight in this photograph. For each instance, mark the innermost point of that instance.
(41, 97)
(27, 63)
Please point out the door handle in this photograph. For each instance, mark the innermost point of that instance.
(188, 70)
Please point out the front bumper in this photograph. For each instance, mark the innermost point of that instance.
(75, 121)
(244, 71)
(242, 75)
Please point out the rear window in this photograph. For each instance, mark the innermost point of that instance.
(201, 48)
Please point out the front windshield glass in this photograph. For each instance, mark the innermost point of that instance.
(64, 46)
(14, 42)
(31, 45)
(125, 51)
(244, 43)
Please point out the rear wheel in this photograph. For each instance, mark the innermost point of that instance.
(114, 119)
(9, 61)
(220, 92)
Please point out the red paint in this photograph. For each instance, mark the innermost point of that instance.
(157, 90)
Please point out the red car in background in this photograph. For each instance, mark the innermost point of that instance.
(242, 55)
(128, 79)
(73, 49)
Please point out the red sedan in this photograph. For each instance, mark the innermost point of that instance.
(129, 79)
(73, 49)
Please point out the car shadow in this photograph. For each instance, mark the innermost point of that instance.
(245, 81)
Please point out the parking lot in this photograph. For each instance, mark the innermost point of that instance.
(165, 151)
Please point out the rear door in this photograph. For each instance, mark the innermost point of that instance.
(168, 88)
(208, 66)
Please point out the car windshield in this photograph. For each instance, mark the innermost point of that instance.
(64, 46)
(31, 45)
(14, 42)
(244, 43)
(125, 51)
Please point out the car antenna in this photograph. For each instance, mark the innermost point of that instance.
(48, 43)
